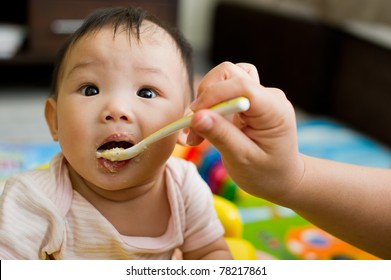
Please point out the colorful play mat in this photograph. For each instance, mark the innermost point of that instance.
(275, 230)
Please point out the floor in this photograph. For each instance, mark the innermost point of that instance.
(22, 115)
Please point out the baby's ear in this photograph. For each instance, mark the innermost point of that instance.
(51, 117)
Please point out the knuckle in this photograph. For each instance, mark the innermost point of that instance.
(226, 64)
(278, 92)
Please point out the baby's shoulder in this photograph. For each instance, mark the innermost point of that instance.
(181, 165)
(42, 182)
(185, 174)
(32, 181)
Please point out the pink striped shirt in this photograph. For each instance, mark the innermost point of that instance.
(41, 215)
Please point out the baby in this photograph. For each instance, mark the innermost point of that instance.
(120, 77)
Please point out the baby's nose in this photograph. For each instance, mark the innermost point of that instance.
(116, 111)
(114, 117)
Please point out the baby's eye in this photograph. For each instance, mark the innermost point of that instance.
(146, 93)
(89, 90)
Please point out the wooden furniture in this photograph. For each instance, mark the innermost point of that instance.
(52, 21)
(49, 23)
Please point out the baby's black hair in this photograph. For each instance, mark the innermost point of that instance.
(131, 19)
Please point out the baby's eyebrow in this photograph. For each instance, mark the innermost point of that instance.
(81, 65)
(157, 72)
(151, 69)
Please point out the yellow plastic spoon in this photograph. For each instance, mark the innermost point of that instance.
(239, 104)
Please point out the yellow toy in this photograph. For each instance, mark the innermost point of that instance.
(229, 216)
(241, 249)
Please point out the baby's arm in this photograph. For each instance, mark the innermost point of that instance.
(30, 225)
(260, 151)
(204, 231)
(217, 250)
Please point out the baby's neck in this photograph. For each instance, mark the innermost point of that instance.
(136, 211)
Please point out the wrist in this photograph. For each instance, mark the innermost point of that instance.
(284, 182)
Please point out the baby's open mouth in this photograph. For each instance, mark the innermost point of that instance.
(115, 145)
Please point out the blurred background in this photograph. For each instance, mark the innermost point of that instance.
(332, 58)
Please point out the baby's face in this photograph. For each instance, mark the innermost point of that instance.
(115, 91)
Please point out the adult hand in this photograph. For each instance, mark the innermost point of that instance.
(259, 146)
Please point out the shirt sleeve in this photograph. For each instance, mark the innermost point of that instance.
(31, 227)
(202, 224)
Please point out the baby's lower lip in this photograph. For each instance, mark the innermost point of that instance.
(112, 166)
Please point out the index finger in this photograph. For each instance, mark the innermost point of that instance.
(216, 86)
(250, 69)
(225, 71)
